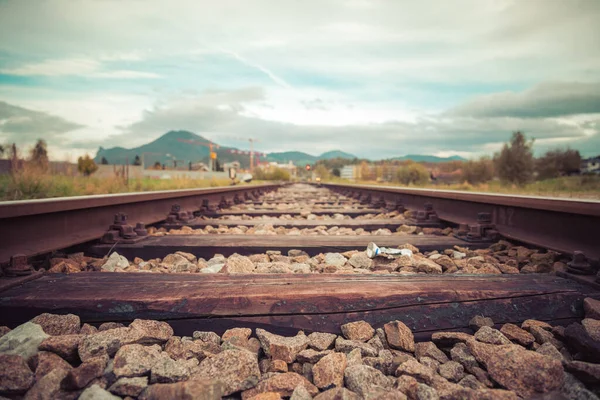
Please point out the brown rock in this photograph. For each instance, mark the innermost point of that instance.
(107, 342)
(359, 330)
(78, 378)
(167, 370)
(237, 369)
(4, 330)
(48, 387)
(197, 389)
(47, 362)
(399, 336)
(543, 336)
(461, 354)
(489, 335)
(266, 396)
(586, 372)
(135, 360)
(518, 335)
(418, 371)
(54, 324)
(15, 375)
(580, 341)
(429, 363)
(591, 307)
(321, 340)
(592, 328)
(452, 371)
(479, 321)
(528, 323)
(129, 386)
(336, 394)
(87, 329)
(361, 379)
(237, 264)
(407, 385)
(346, 346)
(311, 356)
(549, 350)
(151, 331)
(243, 333)
(449, 339)
(284, 384)
(429, 349)
(329, 371)
(65, 346)
(517, 369)
(110, 325)
(469, 381)
(280, 347)
(207, 337)
(278, 366)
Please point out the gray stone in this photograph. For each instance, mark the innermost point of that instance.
(361, 379)
(346, 346)
(95, 392)
(114, 262)
(23, 340)
(335, 259)
(135, 360)
(360, 260)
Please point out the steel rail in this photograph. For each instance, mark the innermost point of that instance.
(563, 225)
(33, 227)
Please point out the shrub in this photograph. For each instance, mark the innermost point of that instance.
(476, 172)
(515, 163)
(86, 165)
(413, 173)
(557, 163)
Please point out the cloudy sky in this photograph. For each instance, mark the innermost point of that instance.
(374, 78)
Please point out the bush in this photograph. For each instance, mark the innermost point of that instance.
(413, 173)
(515, 163)
(476, 172)
(557, 163)
(86, 165)
(272, 174)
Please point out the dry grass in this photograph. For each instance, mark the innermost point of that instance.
(577, 187)
(30, 183)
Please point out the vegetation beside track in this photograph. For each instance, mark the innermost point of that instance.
(578, 187)
(30, 183)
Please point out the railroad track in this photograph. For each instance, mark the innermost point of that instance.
(292, 257)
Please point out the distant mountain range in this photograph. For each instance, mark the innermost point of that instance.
(173, 145)
(429, 159)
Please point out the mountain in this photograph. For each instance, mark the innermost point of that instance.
(429, 159)
(157, 150)
(300, 158)
(170, 143)
(336, 154)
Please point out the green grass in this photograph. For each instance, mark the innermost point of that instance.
(31, 184)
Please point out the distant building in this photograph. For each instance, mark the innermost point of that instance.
(590, 165)
(349, 172)
(290, 167)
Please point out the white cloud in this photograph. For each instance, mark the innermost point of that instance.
(78, 66)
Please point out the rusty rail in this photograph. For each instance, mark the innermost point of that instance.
(563, 225)
(34, 227)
